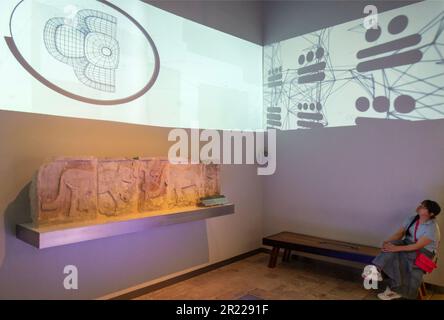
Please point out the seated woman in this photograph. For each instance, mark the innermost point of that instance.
(418, 233)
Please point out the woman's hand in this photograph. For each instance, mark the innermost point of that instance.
(390, 247)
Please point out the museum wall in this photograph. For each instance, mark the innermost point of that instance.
(117, 263)
(354, 183)
(113, 264)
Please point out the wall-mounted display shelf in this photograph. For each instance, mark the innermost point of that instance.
(69, 233)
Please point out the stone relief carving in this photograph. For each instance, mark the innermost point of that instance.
(185, 183)
(153, 183)
(211, 179)
(65, 189)
(77, 189)
(117, 186)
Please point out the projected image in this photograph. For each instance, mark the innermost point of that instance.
(336, 76)
(88, 44)
(126, 61)
(87, 41)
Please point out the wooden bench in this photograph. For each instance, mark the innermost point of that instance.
(326, 247)
(331, 248)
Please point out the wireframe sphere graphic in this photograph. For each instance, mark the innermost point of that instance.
(89, 44)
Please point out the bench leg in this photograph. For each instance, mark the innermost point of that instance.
(287, 255)
(273, 257)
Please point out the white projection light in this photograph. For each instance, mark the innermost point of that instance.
(385, 66)
(117, 61)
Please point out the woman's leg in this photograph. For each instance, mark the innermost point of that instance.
(413, 277)
(408, 277)
(388, 264)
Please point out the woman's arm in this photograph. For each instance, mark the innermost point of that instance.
(396, 236)
(421, 243)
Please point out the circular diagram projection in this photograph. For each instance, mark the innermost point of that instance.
(88, 44)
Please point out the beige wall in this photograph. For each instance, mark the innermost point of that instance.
(111, 264)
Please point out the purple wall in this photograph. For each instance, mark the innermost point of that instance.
(355, 184)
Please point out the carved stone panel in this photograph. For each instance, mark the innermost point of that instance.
(65, 190)
(153, 182)
(79, 189)
(117, 186)
(211, 179)
(186, 183)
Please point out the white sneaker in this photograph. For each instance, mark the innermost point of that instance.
(388, 294)
(371, 272)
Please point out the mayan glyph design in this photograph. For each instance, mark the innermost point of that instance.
(80, 189)
(88, 44)
(376, 62)
(295, 97)
(344, 74)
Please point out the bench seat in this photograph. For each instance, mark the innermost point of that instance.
(316, 245)
(321, 246)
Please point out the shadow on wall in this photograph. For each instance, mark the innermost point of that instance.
(104, 265)
(18, 211)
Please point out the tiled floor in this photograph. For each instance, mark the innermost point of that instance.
(250, 278)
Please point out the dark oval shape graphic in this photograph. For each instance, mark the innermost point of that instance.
(19, 57)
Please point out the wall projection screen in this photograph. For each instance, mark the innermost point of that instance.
(336, 76)
(126, 61)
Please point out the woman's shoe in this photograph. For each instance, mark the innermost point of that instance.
(388, 294)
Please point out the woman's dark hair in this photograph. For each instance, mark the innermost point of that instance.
(432, 206)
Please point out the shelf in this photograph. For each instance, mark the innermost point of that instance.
(59, 235)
